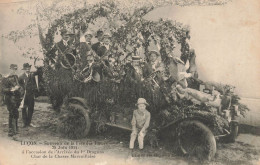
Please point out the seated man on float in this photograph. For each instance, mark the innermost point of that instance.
(99, 37)
(108, 66)
(113, 67)
(134, 72)
(92, 69)
(154, 67)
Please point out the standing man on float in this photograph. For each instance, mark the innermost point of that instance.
(98, 44)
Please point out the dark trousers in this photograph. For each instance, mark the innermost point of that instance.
(12, 104)
(27, 110)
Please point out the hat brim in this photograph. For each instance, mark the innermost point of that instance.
(27, 67)
(155, 52)
(142, 103)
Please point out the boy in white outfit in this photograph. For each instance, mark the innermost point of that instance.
(140, 123)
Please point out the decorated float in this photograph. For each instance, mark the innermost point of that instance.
(185, 110)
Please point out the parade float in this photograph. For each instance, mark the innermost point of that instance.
(190, 117)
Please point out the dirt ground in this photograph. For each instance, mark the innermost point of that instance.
(113, 146)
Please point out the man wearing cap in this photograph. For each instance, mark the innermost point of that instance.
(134, 78)
(63, 46)
(104, 46)
(99, 37)
(12, 92)
(28, 84)
(134, 71)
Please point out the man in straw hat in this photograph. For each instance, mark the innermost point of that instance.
(140, 123)
(134, 71)
(12, 93)
(28, 83)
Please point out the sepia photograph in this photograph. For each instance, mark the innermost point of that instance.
(130, 82)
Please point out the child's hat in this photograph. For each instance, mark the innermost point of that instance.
(141, 101)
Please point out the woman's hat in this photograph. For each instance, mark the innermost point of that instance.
(26, 65)
(141, 101)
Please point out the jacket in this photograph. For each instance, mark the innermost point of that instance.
(99, 49)
(28, 84)
(8, 83)
(141, 121)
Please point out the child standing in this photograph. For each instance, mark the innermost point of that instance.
(140, 123)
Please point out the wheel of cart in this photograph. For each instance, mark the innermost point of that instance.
(75, 121)
(196, 139)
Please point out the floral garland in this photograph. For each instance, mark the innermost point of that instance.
(133, 24)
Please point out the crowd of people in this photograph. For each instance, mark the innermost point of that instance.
(159, 66)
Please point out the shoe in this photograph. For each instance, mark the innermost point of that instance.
(32, 125)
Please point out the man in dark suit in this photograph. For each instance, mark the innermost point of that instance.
(104, 45)
(62, 47)
(28, 83)
(99, 36)
(12, 93)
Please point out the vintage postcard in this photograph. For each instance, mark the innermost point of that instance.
(129, 82)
